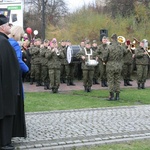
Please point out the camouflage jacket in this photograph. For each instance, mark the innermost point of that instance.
(114, 57)
(140, 57)
(44, 60)
(35, 54)
(128, 60)
(64, 51)
(54, 59)
(83, 53)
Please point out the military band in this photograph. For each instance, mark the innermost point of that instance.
(114, 60)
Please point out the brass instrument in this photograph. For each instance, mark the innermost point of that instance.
(146, 47)
(57, 51)
(121, 39)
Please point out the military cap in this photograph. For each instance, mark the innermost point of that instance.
(94, 41)
(3, 19)
(38, 39)
(114, 36)
(46, 41)
(87, 42)
(104, 37)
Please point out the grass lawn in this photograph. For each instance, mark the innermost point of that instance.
(46, 101)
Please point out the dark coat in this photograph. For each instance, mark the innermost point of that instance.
(9, 78)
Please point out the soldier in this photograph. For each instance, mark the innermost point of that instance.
(114, 57)
(142, 61)
(35, 53)
(127, 65)
(88, 71)
(70, 67)
(54, 64)
(100, 52)
(96, 68)
(44, 62)
(63, 62)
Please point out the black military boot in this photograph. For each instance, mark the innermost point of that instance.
(85, 89)
(102, 83)
(31, 81)
(117, 96)
(139, 87)
(71, 82)
(143, 86)
(96, 81)
(128, 83)
(105, 83)
(111, 96)
(38, 83)
(45, 86)
(125, 83)
(68, 82)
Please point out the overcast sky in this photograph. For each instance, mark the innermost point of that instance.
(75, 4)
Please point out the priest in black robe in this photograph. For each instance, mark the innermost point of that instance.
(9, 85)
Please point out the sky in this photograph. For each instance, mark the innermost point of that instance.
(76, 4)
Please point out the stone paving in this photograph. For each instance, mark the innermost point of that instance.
(70, 129)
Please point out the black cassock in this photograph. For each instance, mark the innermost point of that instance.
(9, 87)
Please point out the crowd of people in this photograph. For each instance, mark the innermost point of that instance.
(46, 63)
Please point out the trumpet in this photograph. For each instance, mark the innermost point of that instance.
(121, 39)
(57, 51)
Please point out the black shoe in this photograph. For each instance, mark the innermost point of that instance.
(117, 97)
(96, 82)
(125, 83)
(128, 83)
(111, 96)
(85, 89)
(88, 89)
(7, 147)
(143, 86)
(71, 83)
(105, 84)
(139, 87)
(102, 84)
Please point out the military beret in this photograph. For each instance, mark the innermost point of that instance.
(3, 19)
(114, 36)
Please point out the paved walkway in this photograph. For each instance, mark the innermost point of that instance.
(65, 130)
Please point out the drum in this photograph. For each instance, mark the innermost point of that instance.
(72, 52)
(91, 62)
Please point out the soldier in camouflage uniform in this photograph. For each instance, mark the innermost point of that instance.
(54, 64)
(100, 52)
(96, 68)
(88, 71)
(127, 66)
(63, 62)
(70, 68)
(114, 57)
(35, 54)
(142, 61)
(44, 66)
(32, 69)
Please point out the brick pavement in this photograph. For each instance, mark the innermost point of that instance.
(66, 130)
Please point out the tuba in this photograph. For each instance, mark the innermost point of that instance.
(121, 39)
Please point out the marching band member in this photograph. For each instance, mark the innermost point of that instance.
(142, 61)
(101, 50)
(87, 70)
(113, 57)
(54, 64)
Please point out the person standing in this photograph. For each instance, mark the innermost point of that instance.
(97, 67)
(100, 52)
(142, 61)
(88, 71)
(19, 129)
(113, 58)
(9, 85)
(54, 64)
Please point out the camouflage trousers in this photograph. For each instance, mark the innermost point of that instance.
(70, 71)
(88, 78)
(126, 71)
(32, 73)
(103, 75)
(54, 76)
(113, 78)
(37, 72)
(142, 72)
(96, 72)
(45, 75)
